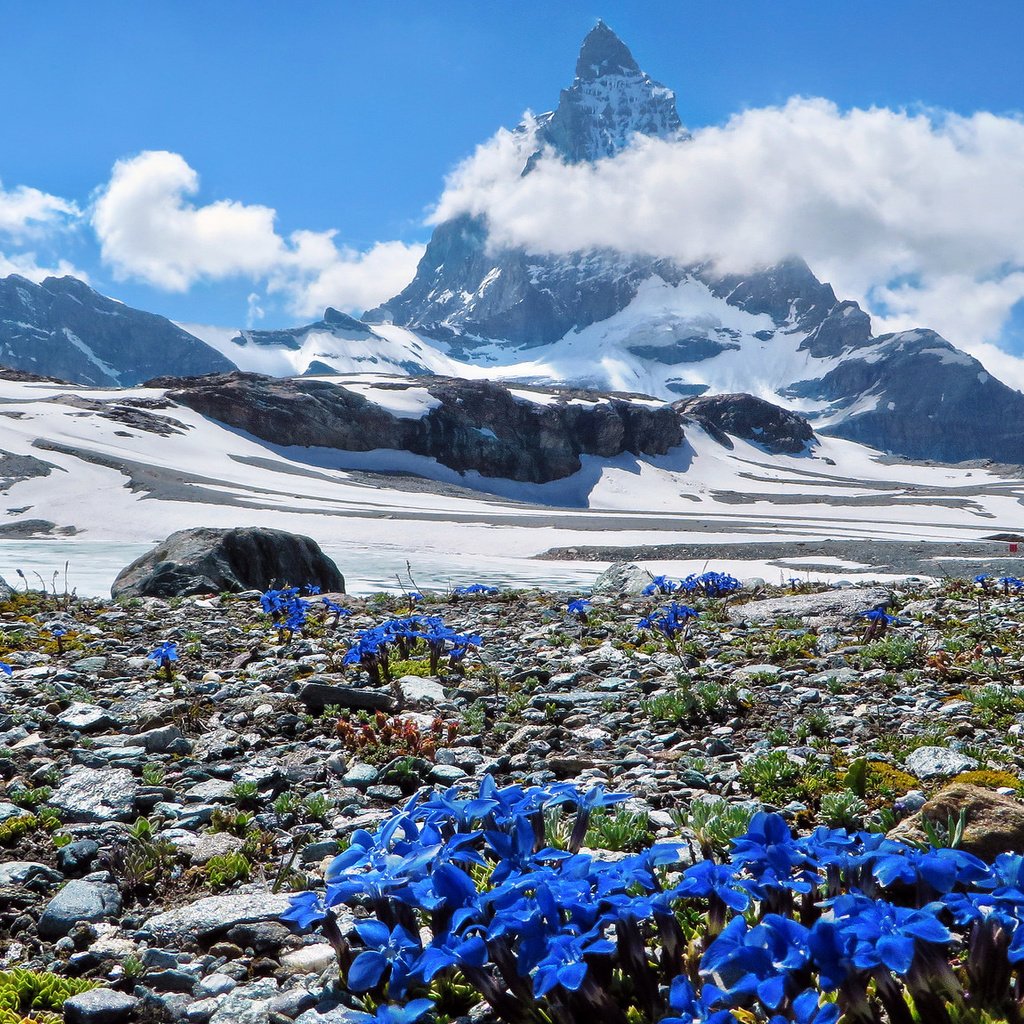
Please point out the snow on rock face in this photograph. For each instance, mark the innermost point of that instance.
(473, 426)
(609, 101)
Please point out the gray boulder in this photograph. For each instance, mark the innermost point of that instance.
(79, 901)
(99, 1006)
(622, 578)
(207, 560)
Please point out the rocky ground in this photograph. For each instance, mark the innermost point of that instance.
(153, 822)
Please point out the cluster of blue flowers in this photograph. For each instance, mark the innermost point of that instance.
(669, 621)
(473, 589)
(1007, 583)
(372, 647)
(708, 584)
(789, 931)
(286, 608)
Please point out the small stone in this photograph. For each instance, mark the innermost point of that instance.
(360, 775)
(99, 1006)
(76, 857)
(215, 985)
(309, 959)
(86, 718)
(420, 691)
(25, 872)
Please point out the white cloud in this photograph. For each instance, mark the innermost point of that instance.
(867, 197)
(150, 229)
(26, 264)
(345, 278)
(27, 212)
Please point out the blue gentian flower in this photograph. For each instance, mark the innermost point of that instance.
(396, 949)
(164, 653)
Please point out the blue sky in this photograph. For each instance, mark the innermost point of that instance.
(347, 116)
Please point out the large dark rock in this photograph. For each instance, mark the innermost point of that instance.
(207, 560)
(64, 329)
(477, 425)
(750, 418)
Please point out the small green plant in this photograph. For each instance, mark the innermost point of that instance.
(30, 798)
(949, 833)
(714, 823)
(316, 807)
(619, 831)
(286, 803)
(224, 870)
(237, 823)
(245, 794)
(893, 651)
(153, 774)
(25, 996)
(843, 810)
(14, 829)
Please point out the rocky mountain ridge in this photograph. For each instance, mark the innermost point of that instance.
(603, 320)
(63, 328)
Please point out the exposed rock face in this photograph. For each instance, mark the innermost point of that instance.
(526, 298)
(210, 560)
(915, 394)
(66, 330)
(751, 418)
(609, 101)
(477, 426)
(995, 823)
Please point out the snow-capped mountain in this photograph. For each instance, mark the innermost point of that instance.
(63, 328)
(604, 319)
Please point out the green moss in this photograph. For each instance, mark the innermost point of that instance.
(990, 779)
(886, 782)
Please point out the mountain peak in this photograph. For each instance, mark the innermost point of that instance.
(610, 101)
(603, 53)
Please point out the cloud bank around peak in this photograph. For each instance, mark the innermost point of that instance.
(150, 228)
(920, 216)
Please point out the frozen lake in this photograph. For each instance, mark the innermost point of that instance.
(93, 564)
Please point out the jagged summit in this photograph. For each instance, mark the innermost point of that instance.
(610, 101)
(603, 53)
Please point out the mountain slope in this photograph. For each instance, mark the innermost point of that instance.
(62, 328)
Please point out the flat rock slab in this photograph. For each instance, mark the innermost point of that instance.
(216, 913)
(938, 763)
(86, 718)
(96, 795)
(835, 606)
(99, 1006)
(421, 691)
(317, 696)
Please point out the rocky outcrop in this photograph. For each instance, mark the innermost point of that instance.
(753, 419)
(474, 426)
(994, 821)
(208, 560)
(64, 329)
